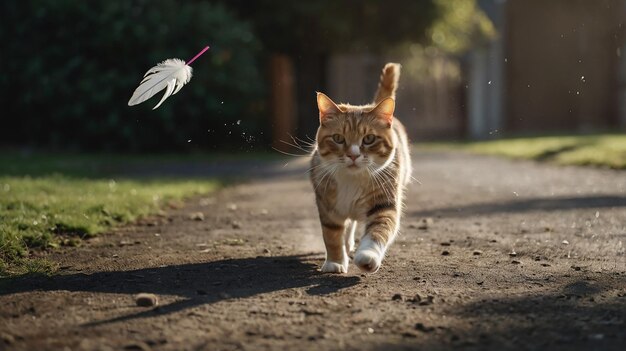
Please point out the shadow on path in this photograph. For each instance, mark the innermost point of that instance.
(197, 284)
(527, 205)
(582, 315)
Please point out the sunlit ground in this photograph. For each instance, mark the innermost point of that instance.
(603, 150)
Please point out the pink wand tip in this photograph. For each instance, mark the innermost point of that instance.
(197, 55)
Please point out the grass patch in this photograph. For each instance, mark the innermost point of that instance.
(603, 150)
(46, 202)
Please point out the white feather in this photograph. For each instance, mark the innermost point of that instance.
(169, 74)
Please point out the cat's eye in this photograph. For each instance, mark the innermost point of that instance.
(338, 138)
(368, 139)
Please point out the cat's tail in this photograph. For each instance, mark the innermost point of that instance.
(388, 82)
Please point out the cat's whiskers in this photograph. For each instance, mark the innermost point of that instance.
(389, 173)
(380, 183)
(295, 146)
(290, 154)
(314, 167)
(385, 177)
(328, 171)
(312, 144)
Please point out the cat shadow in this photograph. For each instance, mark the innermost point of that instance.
(197, 284)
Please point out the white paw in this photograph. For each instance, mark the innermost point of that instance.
(369, 256)
(334, 267)
(368, 261)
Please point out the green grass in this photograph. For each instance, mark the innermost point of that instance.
(602, 150)
(49, 201)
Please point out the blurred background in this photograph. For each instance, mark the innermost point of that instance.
(472, 69)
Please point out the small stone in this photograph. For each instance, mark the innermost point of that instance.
(445, 253)
(232, 207)
(396, 297)
(565, 242)
(196, 216)
(424, 223)
(427, 301)
(421, 327)
(7, 338)
(545, 265)
(513, 254)
(477, 253)
(445, 243)
(416, 299)
(138, 346)
(206, 201)
(515, 262)
(576, 268)
(370, 331)
(236, 225)
(267, 251)
(146, 300)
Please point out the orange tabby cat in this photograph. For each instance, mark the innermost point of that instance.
(359, 169)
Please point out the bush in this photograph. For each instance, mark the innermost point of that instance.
(71, 66)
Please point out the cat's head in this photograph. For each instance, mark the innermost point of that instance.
(356, 138)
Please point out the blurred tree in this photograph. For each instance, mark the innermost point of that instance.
(324, 26)
(71, 66)
(461, 24)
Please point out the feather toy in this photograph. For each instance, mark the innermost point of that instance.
(170, 75)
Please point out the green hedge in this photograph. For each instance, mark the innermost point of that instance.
(69, 68)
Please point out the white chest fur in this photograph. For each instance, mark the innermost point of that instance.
(350, 188)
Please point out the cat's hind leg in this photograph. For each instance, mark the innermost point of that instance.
(349, 235)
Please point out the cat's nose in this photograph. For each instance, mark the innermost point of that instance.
(353, 152)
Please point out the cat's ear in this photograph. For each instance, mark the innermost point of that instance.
(385, 109)
(326, 106)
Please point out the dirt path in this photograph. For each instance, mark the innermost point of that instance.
(511, 255)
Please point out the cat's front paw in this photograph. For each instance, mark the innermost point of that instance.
(369, 256)
(367, 260)
(334, 267)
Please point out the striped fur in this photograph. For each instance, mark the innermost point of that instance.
(356, 181)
